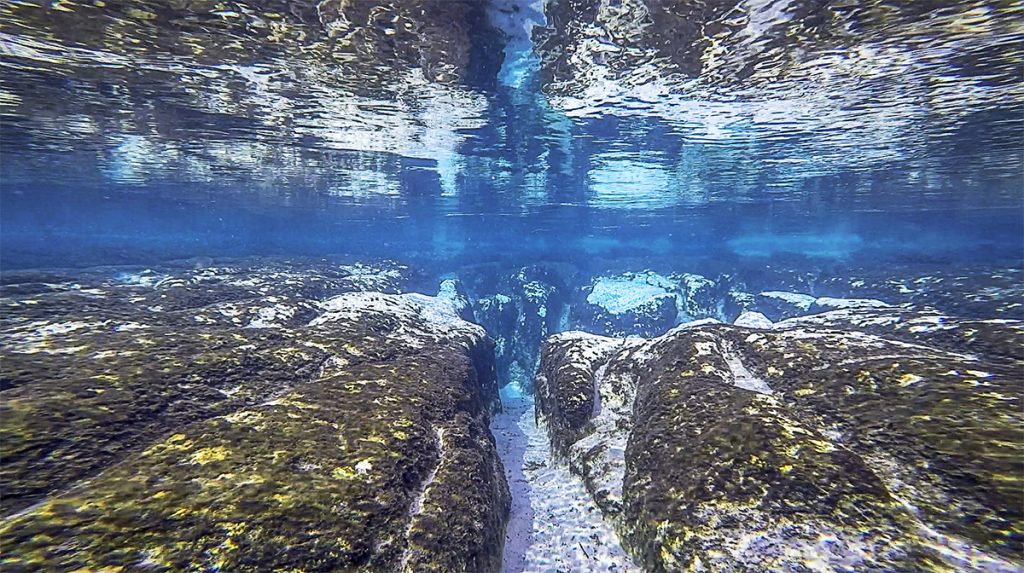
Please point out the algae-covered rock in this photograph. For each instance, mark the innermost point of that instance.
(977, 291)
(859, 439)
(566, 383)
(356, 441)
(587, 409)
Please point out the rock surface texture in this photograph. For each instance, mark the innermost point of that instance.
(864, 438)
(246, 419)
(309, 416)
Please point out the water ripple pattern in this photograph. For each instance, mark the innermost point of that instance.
(660, 103)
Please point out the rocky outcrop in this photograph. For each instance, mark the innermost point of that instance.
(569, 375)
(965, 291)
(784, 291)
(147, 423)
(644, 303)
(780, 305)
(752, 319)
(863, 438)
(700, 297)
(453, 291)
(641, 304)
(521, 306)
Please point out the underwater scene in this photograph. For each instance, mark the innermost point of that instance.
(511, 286)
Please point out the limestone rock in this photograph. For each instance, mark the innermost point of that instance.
(966, 291)
(453, 291)
(825, 304)
(780, 305)
(530, 304)
(863, 438)
(134, 435)
(700, 297)
(643, 304)
(751, 319)
(737, 302)
(498, 315)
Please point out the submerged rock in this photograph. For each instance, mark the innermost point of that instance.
(539, 296)
(860, 439)
(699, 297)
(780, 305)
(976, 291)
(965, 291)
(826, 303)
(738, 302)
(519, 307)
(453, 291)
(751, 319)
(138, 437)
(498, 314)
(643, 304)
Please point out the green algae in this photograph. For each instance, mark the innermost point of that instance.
(215, 447)
(877, 446)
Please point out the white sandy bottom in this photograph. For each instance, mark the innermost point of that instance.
(554, 525)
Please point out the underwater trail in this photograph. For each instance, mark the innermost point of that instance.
(511, 286)
(554, 525)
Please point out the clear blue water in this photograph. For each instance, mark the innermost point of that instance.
(450, 131)
(223, 224)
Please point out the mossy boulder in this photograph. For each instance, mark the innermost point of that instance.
(861, 439)
(357, 440)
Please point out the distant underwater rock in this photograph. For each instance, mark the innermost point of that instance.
(862, 439)
(452, 290)
(737, 302)
(780, 305)
(498, 315)
(645, 303)
(700, 297)
(143, 427)
(641, 304)
(530, 304)
(751, 319)
(960, 291)
(826, 303)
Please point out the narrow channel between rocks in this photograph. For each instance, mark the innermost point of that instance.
(554, 525)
